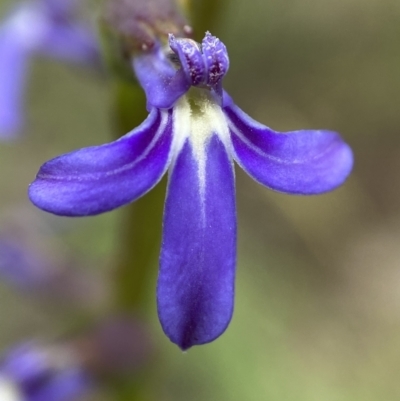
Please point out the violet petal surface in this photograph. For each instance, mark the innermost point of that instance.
(302, 162)
(162, 82)
(195, 289)
(101, 178)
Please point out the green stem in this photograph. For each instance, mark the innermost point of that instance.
(140, 221)
(138, 242)
(129, 106)
(139, 245)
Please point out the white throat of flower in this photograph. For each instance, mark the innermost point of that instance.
(9, 391)
(197, 117)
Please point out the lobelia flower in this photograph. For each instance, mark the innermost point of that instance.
(47, 27)
(31, 372)
(196, 131)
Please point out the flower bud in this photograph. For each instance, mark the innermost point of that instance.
(141, 23)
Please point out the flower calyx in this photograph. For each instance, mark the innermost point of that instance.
(141, 24)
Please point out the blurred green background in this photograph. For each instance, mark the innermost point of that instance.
(318, 286)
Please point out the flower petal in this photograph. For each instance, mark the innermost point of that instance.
(300, 162)
(197, 265)
(191, 58)
(13, 69)
(162, 83)
(101, 178)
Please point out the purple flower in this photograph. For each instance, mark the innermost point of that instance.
(37, 27)
(22, 266)
(196, 131)
(31, 372)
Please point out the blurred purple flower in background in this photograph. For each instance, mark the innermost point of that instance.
(196, 131)
(32, 372)
(21, 266)
(47, 27)
(34, 273)
(35, 261)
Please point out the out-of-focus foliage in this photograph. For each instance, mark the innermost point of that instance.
(318, 306)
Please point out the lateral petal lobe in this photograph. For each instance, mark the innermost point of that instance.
(98, 179)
